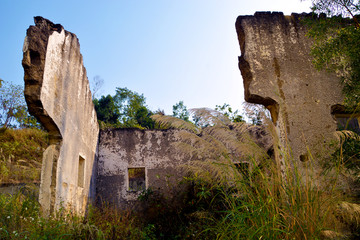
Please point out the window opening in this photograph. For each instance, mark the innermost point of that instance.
(348, 123)
(81, 172)
(345, 120)
(136, 179)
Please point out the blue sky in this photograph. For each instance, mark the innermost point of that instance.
(169, 50)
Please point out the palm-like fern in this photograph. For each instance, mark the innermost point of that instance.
(214, 144)
(266, 201)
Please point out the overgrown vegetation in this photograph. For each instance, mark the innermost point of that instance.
(237, 192)
(21, 154)
(336, 44)
(241, 193)
(13, 109)
(20, 219)
(125, 109)
(128, 109)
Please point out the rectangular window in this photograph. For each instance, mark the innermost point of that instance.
(136, 179)
(81, 172)
(348, 123)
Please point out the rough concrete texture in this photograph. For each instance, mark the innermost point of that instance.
(58, 95)
(120, 149)
(277, 72)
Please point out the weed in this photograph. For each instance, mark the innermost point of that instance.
(20, 219)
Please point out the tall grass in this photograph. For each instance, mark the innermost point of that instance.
(238, 192)
(20, 219)
(265, 208)
(272, 199)
(262, 207)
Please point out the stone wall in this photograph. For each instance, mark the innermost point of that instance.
(277, 72)
(58, 95)
(151, 150)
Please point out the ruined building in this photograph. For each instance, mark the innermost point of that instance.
(278, 73)
(82, 161)
(132, 160)
(57, 93)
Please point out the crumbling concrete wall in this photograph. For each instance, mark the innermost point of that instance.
(277, 72)
(58, 95)
(153, 150)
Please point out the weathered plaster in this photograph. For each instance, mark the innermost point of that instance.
(58, 95)
(120, 149)
(278, 73)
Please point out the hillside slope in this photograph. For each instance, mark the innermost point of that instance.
(21, 154)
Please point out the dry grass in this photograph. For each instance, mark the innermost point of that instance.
(21, 155)
(264, 201)
(272, 200)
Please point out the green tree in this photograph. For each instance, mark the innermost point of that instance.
(125, 109)
(336, 48)
(13, 108)
(337, 7)
(107, 111)
(133, 109)
(225, 109)
(336, 44)
(143, 118)
(180, 111)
